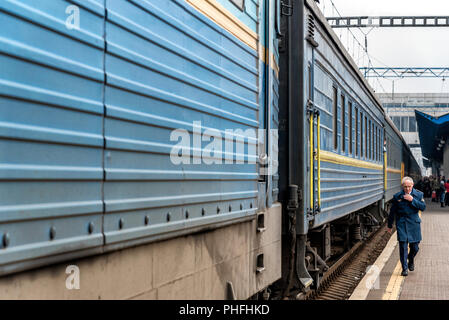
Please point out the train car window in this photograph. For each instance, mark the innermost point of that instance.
(309, 70)
(389, 151)
(375, 142)
(239, 4)
(361, 134)
(366, 138)
(335, 119)
(370, 145)
(371, 137)
(368, 130)
(379, 138)
(350, 126)
(356, 131)
(343, 124)
(380, 146)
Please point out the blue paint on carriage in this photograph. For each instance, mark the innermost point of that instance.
(273, 195)
(105, 113)
(187, 67)
(330, 69)
(345, 189)
(393, 185)
(270, 107)
(248, 15)
(180, 17)
(323, 97)
(395, 147)
(51, 130)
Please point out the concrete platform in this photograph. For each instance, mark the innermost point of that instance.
(429, 281)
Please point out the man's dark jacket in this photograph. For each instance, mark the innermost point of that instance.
(408, 223)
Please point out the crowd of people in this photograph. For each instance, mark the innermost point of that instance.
(436, 188)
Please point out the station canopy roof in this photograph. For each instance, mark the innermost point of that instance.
(433, 134)
(427, 163)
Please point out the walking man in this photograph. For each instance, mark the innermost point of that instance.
(405, 207)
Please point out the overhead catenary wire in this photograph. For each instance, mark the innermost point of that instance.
(349, 31)
(362, 48)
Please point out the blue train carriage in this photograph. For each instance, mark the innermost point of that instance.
(399, 161)
(411, 166)
(394, 144)
(343, 123)
(111, 116)
(346, 147)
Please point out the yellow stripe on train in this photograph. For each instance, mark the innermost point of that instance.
(221, 16)
(225, 19)
(394, 171)
(348, 161)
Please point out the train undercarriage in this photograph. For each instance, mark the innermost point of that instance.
(324, 247)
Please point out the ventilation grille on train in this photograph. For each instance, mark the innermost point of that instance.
(311, 26)
(311, 30)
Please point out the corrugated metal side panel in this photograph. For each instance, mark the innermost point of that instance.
(274, 61)
(269, 109)
(263, 187)
(248, 15)
(51, 130)
(168, 66)
(345, 189)
(394, 159)
(393, 184)
(275, 138)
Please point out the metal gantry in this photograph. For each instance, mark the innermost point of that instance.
(405, 72)
(388, 21)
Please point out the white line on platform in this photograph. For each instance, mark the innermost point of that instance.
(372, 276)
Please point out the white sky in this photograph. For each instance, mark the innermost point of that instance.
(398, 47)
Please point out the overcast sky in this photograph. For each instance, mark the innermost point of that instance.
(398, 47)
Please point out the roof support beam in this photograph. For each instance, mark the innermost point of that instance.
(405, 72)
(388, 21)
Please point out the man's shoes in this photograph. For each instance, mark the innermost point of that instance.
(411, 264)
(404, 273)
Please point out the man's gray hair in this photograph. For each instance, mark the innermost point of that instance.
(407, 179)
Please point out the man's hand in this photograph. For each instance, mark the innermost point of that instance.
(408, 197)
(390, 230)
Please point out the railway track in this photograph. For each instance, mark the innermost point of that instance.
(341, 279)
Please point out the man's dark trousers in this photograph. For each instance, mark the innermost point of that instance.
(403, 253)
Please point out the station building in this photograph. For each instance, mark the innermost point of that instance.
(401, 107)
